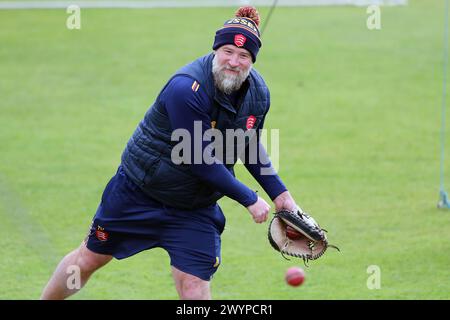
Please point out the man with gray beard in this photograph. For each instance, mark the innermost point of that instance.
(227, 78)
(161, 199)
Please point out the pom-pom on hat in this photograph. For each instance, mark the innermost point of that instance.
(241, 31)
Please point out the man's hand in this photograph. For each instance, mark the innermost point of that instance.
(285, 202)
(259, 210)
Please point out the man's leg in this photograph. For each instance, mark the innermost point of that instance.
(190, 287)
(84, 259)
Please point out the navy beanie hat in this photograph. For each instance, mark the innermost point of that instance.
(241, 31)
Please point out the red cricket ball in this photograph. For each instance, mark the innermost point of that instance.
(292, 234)
(295, 276)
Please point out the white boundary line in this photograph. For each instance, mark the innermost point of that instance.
(187, 3)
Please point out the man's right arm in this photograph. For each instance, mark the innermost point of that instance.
(185, 104)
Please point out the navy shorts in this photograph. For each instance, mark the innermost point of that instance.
(127, 222)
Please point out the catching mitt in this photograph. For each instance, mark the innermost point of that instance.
(298, 235)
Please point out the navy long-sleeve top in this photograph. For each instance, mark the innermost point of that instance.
(184, 106)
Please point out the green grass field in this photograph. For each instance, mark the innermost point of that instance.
(359, 119)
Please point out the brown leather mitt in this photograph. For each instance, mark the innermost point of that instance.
(298, 235)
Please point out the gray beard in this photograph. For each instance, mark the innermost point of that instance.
(228, 83)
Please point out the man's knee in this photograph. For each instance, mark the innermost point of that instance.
(194, 289)
(89, 261)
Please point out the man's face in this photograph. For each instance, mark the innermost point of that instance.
(231, 66)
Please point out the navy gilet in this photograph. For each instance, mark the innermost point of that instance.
(147, 157)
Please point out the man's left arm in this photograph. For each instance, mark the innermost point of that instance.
(267, 177)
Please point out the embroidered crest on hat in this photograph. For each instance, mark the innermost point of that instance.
(239, 40)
